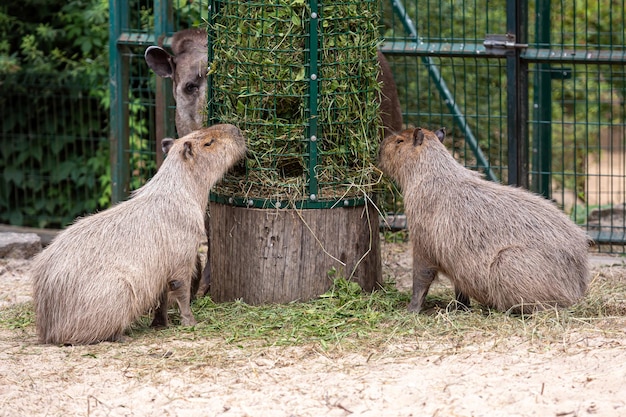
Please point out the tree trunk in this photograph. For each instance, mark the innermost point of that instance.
(279, 256)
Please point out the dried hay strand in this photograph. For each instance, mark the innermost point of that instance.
(261, 79)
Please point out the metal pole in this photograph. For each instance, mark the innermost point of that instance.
(118, 90)
(163, 96)
(312, 133)
(542, 108)
(517, 95)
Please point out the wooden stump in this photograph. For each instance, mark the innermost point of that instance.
(279, 256)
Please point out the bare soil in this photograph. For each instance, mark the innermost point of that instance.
(583, 374)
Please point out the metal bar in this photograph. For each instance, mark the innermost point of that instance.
(118, 90)
(209, 78)
(136, 39)
(542, 108)
(517, 96)
(476, 50)
(447, 96)
(312, 132)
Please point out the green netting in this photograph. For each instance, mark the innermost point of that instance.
(300, 80)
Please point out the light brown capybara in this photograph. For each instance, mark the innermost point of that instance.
(503, 246)
(104, 271)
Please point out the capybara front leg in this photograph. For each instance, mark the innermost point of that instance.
(160, 314)
(180, 290)
(205, 281)
(423, 276)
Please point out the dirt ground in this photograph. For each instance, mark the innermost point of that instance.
(583, 375)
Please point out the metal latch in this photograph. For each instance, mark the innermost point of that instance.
(506, 41)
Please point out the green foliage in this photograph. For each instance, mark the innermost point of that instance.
(53, 83)
(343, 312)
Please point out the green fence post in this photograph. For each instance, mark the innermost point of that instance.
(542, 108)
(517, 95)
(311, 130)
(118, 89)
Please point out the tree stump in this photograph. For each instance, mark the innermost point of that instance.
(284, 255)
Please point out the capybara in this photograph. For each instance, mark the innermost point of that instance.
(506, 247)
(104, 271)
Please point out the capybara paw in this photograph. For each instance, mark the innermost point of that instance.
(188, 321)
(159, 323)
(415, 307)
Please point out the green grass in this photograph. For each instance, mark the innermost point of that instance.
(347, 318)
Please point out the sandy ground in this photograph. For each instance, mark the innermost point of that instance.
(583, 375)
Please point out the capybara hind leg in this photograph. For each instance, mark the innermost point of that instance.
(160, 314)
(462, 300)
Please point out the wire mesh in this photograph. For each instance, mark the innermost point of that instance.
(300, 80)
(53, 156)
(574, 54)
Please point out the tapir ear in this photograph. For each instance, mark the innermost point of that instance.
(188, 150)
(418, 136)
(166, 144)
(159, 61)
(441, 134)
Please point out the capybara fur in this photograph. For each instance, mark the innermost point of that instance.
(503, 246)
(104, 271)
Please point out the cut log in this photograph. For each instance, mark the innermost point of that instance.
(284, 255)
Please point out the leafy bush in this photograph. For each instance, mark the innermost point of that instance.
(54, 100)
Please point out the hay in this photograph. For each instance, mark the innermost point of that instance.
(260, 80)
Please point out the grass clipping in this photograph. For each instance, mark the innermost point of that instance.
(347, 318)
(260, 79)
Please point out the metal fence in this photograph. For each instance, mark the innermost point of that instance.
(53, 150)
(532, 93)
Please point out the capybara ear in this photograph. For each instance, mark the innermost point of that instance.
(441, 134)
(418, 136)
(159, 61)
(188, 150)
(166, 144)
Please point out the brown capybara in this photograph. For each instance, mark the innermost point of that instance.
(104, 271)
(505, 247)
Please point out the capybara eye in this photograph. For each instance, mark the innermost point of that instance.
(209, 143)
(191, 88)
(399, 141)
